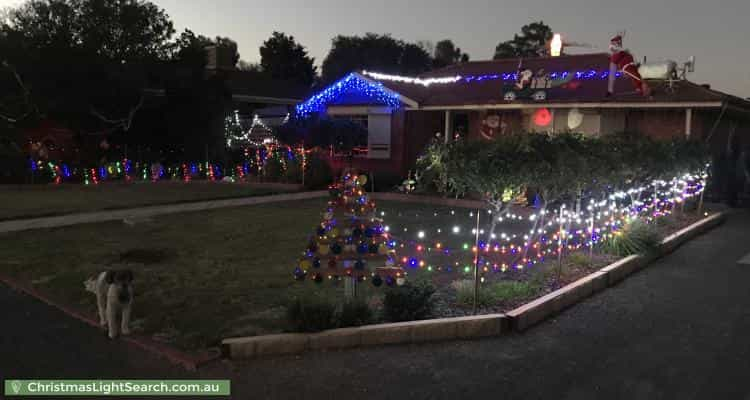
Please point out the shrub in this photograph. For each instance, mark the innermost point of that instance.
(13, 164)
(386, 181)
(354, 312)
(311, 314)
(318, 174)
(273, 169)
(636, 237)
(409, 302)
(293, 173)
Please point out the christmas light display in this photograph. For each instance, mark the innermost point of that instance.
(556, 45)
(236, 136)
(417, 81)
(128, 170)
(351, 84)
(506, 76)
(351, 241)
(521, 241)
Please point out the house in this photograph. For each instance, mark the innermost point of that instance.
(481, 100)
(260, 104)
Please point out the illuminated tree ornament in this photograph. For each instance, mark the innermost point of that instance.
(351, 238)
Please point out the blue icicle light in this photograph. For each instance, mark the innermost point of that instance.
(350, 83)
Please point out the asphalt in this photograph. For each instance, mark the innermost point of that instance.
(678, 330)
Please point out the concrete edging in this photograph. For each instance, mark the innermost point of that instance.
(544, 307)
(369, 335)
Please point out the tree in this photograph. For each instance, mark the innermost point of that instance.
(414, 60)
(230, 46)
(281, 57)
(530, 43)
(249, 66)
(87, 61)
(446, 53)
(381, 53)
(192, 47)
(197, 103)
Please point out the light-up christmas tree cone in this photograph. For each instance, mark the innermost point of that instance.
(350, 242)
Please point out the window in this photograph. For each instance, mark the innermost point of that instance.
(361, 120)
(354, 136)
(365, 130)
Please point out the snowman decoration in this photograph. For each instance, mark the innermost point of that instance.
(622, 60)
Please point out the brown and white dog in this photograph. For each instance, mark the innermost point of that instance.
(114, 295)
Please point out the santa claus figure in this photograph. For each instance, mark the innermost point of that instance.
(621, 60)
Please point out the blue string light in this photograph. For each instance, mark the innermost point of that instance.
(512, 77)
(349, 85)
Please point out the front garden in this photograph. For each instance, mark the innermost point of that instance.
(205, 276)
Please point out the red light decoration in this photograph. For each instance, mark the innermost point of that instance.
(542, 117)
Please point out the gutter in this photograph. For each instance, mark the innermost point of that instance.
(519, 106)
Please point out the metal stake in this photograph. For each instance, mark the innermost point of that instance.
(476, 266)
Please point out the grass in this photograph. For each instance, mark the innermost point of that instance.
(21, 201)
(507, 291)
(198, 277)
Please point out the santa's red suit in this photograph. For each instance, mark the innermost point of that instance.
(621, 60)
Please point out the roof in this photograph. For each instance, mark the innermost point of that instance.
(484, 83)
(250, 86)
(244, 86)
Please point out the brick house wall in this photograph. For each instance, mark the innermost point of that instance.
(661, 124)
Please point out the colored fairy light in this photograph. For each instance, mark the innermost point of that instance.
(569, 229)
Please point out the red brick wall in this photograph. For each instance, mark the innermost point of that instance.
(420, 127)
(659, 124)
(393, 165)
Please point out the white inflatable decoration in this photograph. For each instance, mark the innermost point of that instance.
(659, 70)
(575, 119)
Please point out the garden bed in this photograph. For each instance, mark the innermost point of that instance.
(205, 276)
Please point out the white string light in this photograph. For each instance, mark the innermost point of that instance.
(417, 81)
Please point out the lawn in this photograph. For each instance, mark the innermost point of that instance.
(204, 276)
(44, 200)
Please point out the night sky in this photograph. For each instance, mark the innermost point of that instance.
(716, 32)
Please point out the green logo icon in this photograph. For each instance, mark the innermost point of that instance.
(16, 386)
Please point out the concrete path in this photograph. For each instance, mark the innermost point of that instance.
(678, 330)
(150, 211)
